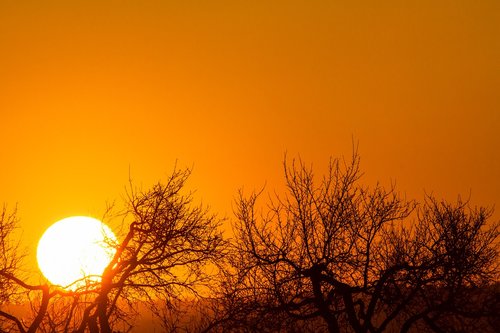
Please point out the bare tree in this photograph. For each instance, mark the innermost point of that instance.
(344, 257)
(169, 251)
(9, 254)
(328, 256)
(452, 255)
(12, 287)
(9, 262)
(165, 254)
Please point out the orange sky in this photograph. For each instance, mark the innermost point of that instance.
(91, 88)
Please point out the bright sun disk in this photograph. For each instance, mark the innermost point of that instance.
(75, 249)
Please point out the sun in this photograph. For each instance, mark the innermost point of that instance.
(74, 251)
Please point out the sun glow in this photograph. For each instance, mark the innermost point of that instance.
(74, 252)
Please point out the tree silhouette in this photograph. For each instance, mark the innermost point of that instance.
(9, 256)
(458, 253)
(340, 257)
(163, 256)
(9, 262)
(328, 256)
(12, 288)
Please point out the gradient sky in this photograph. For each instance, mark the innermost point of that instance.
(91, 89)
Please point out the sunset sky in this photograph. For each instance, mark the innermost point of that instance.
(90, 90)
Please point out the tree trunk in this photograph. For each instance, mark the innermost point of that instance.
(41, 312)
(333, 325)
